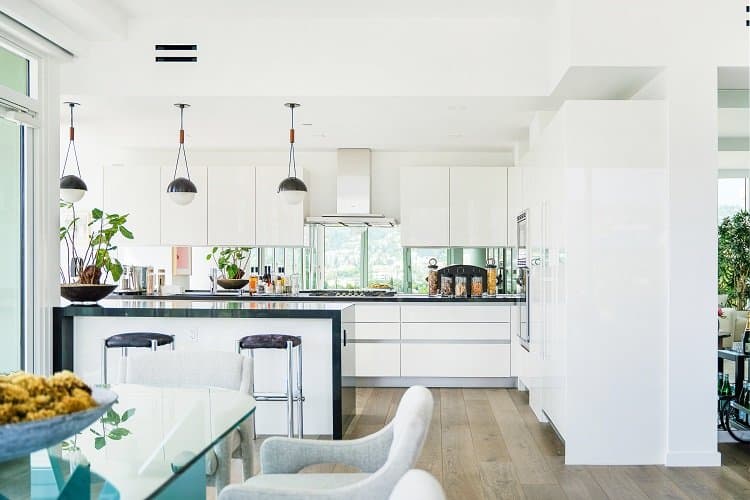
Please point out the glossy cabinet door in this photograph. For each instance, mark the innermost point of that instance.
(276, 223)
(425, 193)
(515, 203)
(231, 205)
(184, 224)
(478, 206)
(135, 191)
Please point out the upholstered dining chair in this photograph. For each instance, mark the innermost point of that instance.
(417, 484)
(226, 370)
(382, 459)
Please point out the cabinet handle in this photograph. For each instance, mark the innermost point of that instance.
(344, 337)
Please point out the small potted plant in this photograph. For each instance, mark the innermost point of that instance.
(88, 272)
(231, 262)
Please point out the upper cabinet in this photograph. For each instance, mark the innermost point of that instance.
(454, 206)
(276, 222)
(478, 207)
(135, 191)
(231, 206)
(425, 206)
(184, 224)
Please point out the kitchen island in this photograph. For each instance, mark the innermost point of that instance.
(79, 332)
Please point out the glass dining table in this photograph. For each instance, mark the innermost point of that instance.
(151, 444)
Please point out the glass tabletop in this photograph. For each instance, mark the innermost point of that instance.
(151, 436)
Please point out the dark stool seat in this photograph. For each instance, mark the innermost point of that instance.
(269, 341)
(137, 339)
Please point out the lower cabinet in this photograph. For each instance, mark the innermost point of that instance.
(455, 360)
(372, 360)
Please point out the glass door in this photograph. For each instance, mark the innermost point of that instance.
(15, 88)
(11, 251)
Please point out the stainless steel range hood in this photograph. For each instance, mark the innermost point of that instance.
(353, 194)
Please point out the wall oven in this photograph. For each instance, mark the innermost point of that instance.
(522, 263)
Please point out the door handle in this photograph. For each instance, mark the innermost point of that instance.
(344, 337)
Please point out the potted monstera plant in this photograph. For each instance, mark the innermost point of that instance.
(85, 279)
(232, 262)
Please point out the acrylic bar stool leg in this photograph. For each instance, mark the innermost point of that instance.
(290, 389)
(299, 392)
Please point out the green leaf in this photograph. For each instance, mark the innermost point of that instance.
(127, 414)
(118, 433)
(96, 213)
(116, 269)
(111, 417)
(99, 443)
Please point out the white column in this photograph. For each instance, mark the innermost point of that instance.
(691, 353)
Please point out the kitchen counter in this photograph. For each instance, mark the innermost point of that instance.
(401, 297)
(79, 332)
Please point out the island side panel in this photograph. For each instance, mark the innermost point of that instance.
(220, 334)
(62, 341)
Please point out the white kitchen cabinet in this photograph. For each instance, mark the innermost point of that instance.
(373, 331)
(276, 223)
(377, 313)
(134, 191)
(184, 224)
(425, 206)
(372, 360)
(455, 331)
(455, 313)
(515, 203)
(478, 206)
(455, 360)
(231, 206)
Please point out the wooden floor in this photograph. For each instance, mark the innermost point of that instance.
(486, 443)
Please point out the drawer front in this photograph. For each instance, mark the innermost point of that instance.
(377, 313)
(372, 331)
(456, 331)
(455, 360)
(377, 360)
(455, 313)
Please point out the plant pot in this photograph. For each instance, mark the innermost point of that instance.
(233, 284)
(79, 293)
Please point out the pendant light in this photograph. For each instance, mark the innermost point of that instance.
(292, 189)
(72, 187)
(181, 190)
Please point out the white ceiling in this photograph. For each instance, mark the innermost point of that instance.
(261, 123)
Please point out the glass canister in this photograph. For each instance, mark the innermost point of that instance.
(461, 291)
(432, 277)
(491, 277)
(446, 285)
(476, 286)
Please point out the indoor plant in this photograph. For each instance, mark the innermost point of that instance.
(231, 261)
(734, 259)
(88, 272)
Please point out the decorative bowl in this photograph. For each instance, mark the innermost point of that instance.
(77, 292)
(24, 437)
(228, 284)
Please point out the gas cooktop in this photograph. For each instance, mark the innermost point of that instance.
(360, 292)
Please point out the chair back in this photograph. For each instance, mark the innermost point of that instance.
(417, 484)
(409, 430)
(226, 370)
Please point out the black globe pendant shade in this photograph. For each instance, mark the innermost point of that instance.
(292, 189)
(72, 187)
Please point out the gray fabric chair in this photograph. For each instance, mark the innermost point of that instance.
(417, 485)
(226, 370)
(383, 458)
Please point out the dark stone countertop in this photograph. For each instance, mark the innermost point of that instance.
(401, 297)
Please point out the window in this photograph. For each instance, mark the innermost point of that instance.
(14, 71)
(732, 196)
(343, 257)
(418, 260)
(385, 258)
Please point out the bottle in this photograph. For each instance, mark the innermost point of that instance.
(746, 338)
(253, 284)
(278, 283)
(726, 389)
(491, 277)
(432, 277)
(721, 382)
(161, 281)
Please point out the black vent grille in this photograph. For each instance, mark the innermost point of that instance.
(176, 53)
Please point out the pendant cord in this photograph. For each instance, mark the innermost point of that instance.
(181, 148)
(75, 152)
(292, 159)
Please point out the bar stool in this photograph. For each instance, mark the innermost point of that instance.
(290, 343)
(133, 339)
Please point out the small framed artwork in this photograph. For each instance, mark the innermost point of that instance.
(182, 261)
